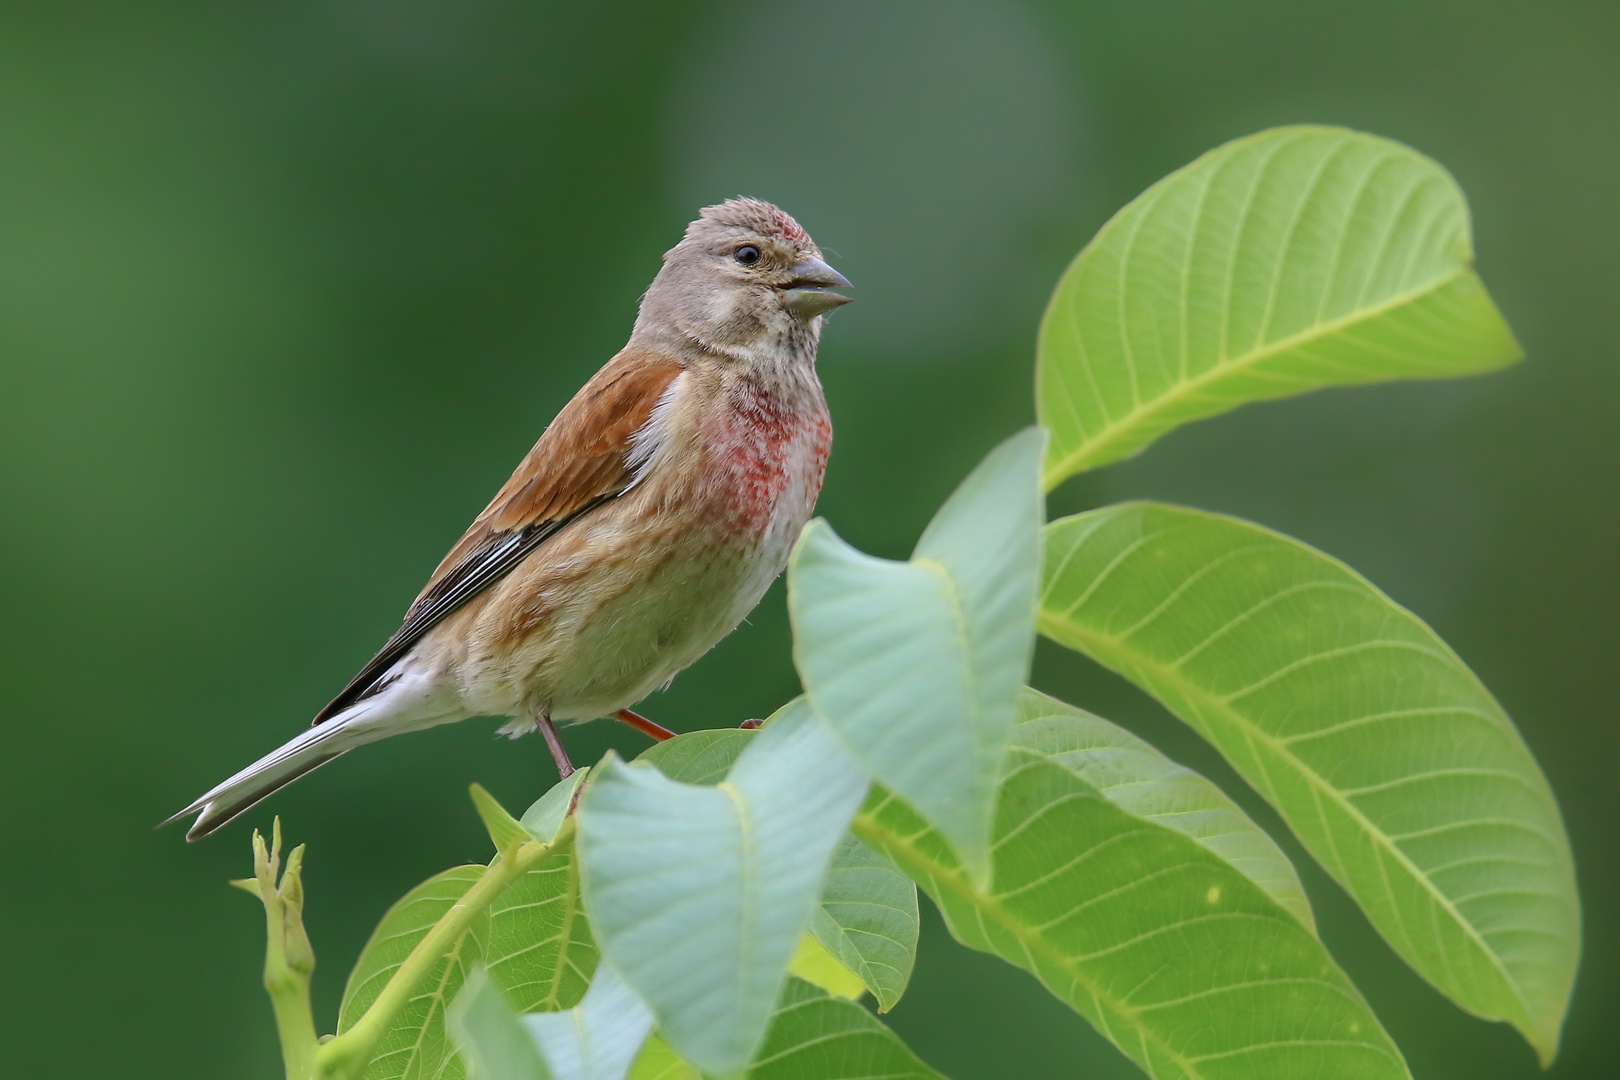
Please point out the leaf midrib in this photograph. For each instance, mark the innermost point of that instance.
(1102, 644)
(1113, 430)
(565, 935)
(957, 881)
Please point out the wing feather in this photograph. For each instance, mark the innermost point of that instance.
(581, 461)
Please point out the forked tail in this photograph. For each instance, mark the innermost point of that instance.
(269, 774)
(412, 698)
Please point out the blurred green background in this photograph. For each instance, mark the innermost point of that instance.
(287, 288)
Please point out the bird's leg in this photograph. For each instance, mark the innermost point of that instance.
(750, 725)
(644, 725)
(565, 768)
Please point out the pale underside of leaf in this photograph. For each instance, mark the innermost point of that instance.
(884, 656)
(598, 1039)
(1386, 756)
(866, 914)
(487, 1032)
(700, 893)
(916, 665)
(1287, 261)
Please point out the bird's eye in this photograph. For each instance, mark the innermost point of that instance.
(748, 254)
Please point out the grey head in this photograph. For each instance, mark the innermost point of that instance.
(745, 274)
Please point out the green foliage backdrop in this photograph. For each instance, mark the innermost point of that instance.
(1131, 887)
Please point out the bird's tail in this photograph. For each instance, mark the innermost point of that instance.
(269, 774)
(412, 697)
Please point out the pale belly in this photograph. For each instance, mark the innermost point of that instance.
(615, 606)
(637, 642)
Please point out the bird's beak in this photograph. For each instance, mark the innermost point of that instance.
(805, 292)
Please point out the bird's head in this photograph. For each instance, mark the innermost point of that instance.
(745, 273)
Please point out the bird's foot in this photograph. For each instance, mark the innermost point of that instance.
(644, 725)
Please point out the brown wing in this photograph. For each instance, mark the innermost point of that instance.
(580, 462)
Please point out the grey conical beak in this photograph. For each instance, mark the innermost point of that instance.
(805, 292)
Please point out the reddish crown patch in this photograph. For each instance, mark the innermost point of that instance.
(761, 216)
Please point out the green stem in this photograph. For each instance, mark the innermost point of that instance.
(347, 1055)
(295, 1022)
(288, 959)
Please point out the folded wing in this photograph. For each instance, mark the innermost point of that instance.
(583, 459)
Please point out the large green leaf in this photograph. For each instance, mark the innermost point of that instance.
(814, 964)
(700, 757)
(415, 1045)
(866, 915)
(534, 939)
(1140, 780)
(1294, 259)
(698, 894)
(537, 941)
(814, 1036)
(1186, 963)
(657, 1061)
(1387, 757)
(916, 665)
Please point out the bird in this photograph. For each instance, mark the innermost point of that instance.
(644, 525)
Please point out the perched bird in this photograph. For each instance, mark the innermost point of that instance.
(644, 525)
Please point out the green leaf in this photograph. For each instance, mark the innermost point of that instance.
(534, 939)
(1298, 258)
(916, 665)
(1386, 756)
(814, 1036)
(814, 964)
(866, 915)
(700, 757)
(489, 1034)
(698, 894)
(504, 830)
(1143, 782)
(537, 941)
(1185, 963)
(415, 1044)
(545, 817)
(658, 1062)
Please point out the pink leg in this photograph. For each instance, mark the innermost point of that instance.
(565, 768)
(644, 725)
